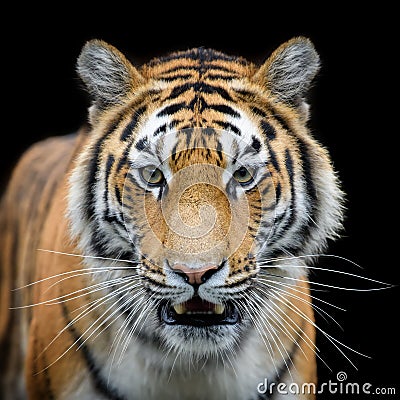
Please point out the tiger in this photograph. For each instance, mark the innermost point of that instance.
(162, 250)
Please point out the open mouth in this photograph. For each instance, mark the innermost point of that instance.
(198, 312)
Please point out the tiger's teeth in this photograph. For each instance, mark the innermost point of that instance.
(180, 308)
(219, 308)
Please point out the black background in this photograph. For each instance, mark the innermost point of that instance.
(354, 106)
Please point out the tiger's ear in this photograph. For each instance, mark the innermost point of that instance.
(107, 74)
(289, 71)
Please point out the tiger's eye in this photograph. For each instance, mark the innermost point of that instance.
(152, 176)
(243, 176)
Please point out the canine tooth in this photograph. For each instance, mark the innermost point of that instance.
(180, 308)
(219, 308)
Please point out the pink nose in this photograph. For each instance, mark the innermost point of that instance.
(195, 276)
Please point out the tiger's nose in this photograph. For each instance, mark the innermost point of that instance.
(195, 276)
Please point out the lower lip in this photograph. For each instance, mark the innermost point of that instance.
(168, 315)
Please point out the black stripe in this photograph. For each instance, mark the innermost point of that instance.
(124, 158)
(178, 90)
(267, 188)
(113, 220)
(160, 129)
(290, 210)
(205, 55)
(223, 108)
(268, 129)
(311, 194)
(93, 167)
(176, 77)
(272, 158)
(141, 144)
(102, 385)
(200, 87)
(290, 213)
(213, 67)
(132, 124)
(174, 123)
(255, 144)
(219, 150)
(118, 195)
(278, 192)
(174, 153)
(289, 165)
(245, 93)
(290, 171)
(48, 391)
(256, 110)
(97, 240)
(109, 165)
(198, 103)
(280, 119)
(229, 127)
(210, 89)
(308, 172)
(183, 68)
(172, 109)
(208, 131)
(214, 77)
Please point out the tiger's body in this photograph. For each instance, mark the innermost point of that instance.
(163, 239)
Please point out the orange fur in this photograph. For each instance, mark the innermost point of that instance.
(45, 212)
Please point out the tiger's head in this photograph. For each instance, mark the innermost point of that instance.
(198, 175)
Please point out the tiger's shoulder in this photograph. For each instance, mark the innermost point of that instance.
(25, 203)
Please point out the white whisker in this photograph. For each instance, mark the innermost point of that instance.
(134, 305)
(305, 337)
(272, 334)
(320, 311)
(86, 273)
(90, 257)
(121, 307)
(309, 256)
(260, 332)
(388, 285)
(97, 303)
(330, 286)
(77, 272)
(297, 289)
(83, 292)
(127, 288)
(144, 312)
(333, 340)
(276, 318)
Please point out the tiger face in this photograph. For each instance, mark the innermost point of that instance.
(200, 185)
(191, 198)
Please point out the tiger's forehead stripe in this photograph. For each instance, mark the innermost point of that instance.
(196, 62)
(197, 146)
